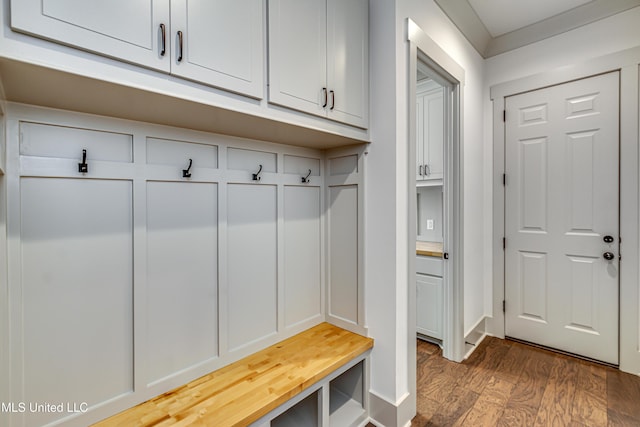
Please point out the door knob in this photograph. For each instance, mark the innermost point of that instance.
(608, 256)
(608, 239)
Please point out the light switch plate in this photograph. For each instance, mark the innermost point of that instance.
(429, 224)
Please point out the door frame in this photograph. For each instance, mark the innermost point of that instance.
(423, 48)
(628, 63)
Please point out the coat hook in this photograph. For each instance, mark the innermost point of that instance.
(186, 172)
(305, 179)
(256, 176)
(83, 167)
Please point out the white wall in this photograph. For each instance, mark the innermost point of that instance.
(388, 189)
(563, 55)
(437, 26)
(613, 34)
(430, 208)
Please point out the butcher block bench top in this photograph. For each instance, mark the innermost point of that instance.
(244, 391)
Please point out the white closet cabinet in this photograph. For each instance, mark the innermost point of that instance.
(75, 275)
(319, 58)
(216, 42)
(429, 134)
(429, 308)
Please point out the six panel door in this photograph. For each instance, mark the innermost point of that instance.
(561, 210)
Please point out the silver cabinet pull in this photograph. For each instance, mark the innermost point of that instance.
(420, 168)
(163, 34)
(179, 46)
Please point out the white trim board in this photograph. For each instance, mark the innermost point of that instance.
(628, 63)
(423, 48)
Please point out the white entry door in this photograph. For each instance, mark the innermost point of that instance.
(561, 217)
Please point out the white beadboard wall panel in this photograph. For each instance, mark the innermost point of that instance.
(302, 166)
(343, 165)
(218, 265)
(343, 252)
(66, 142)
(166, 152)
(302, 246)
(77, 291)
(251, 263)
(250, 160)
(182, 276)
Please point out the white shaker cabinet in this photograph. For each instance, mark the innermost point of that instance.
(429, 297)
(429, 302)
(219, 42)
(319, 58)
(429, 134)
(122, 29)
(216, 42)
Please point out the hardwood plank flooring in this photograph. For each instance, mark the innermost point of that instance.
(505, 383)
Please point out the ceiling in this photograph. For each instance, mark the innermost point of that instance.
(497, 26)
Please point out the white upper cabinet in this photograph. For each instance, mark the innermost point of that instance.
(319, 58)
(123, 29)
(348, 61)
(297, 63)
(429, 133)
(219, 42)
(216, 42)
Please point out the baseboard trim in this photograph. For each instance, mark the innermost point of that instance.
(386, 414)
(474, 337)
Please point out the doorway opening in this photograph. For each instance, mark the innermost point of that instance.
(431, 121)
(436, 65)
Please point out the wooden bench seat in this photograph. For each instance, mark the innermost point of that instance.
(244, 391)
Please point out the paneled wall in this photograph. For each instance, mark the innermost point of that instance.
(141, 256)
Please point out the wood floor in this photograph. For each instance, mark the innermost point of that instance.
(504, 383)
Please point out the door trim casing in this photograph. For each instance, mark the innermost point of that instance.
(628, 63)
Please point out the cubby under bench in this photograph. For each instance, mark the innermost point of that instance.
(317, 378)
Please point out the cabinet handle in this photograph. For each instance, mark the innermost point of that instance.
(427, 170)
(179, 46)
(164, 39)
(326, 99)
(420, 170)
(333, 99)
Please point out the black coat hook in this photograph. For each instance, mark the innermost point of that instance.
(305, 179)
(83, 167)
(256, 176)
(186, 172)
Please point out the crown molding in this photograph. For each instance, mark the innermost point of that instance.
(467, 21)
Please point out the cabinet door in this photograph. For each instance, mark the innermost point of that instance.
(348, 61)
(297, 54)
(222, 43)
(77, 292)
(434, 134)
(420, 138)
(123, 29)
(429, 305)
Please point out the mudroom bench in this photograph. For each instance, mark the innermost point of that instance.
(316, 376)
